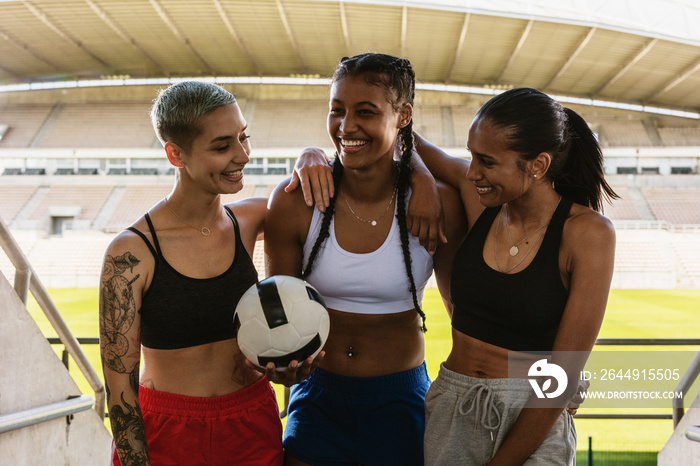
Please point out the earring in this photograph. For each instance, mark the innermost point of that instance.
(534, 176)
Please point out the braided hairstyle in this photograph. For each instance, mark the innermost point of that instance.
(397, 77)
(535, 123)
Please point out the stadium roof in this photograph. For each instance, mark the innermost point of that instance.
(643, 52)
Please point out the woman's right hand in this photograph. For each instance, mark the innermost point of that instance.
(314, 173)
(296, 371)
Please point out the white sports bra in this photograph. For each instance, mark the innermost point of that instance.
(371, 283)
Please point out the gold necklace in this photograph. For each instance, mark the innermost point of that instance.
(495, 246)
(495, 240)
(513, 251)
(372, 222)
(206, 231)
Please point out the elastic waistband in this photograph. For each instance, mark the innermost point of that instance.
(391, 382)
(172, 403)
(454, 381)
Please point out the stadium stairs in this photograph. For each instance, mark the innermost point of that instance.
(44, 418)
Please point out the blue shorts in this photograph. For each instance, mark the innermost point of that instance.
(337, 420)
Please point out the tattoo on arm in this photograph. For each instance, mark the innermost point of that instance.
(134, 378)
(129, 434)
(118, 309)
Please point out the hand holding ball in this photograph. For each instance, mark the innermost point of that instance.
(281, 319)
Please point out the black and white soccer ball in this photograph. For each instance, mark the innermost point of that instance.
(281, 319)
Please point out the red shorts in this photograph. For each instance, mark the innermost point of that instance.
(242, 428)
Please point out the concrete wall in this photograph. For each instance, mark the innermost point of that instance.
(679, 450)
(33, 376)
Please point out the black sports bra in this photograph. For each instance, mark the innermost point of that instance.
(180, 312)
(519, 311)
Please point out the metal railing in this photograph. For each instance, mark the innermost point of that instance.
(693, 433)
(683, 386)
(45, 413)
(26, 280)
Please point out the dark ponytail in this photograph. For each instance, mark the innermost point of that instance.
(535, 123)
(581, 177)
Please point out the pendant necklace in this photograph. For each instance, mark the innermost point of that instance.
(372, 222)
(495, 247)
(513, 251)
(205, 231)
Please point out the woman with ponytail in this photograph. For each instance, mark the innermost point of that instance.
(529, 284)
(365, 402)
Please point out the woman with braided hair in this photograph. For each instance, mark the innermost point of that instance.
(364, 404)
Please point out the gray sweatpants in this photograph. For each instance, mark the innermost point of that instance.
(467, 419)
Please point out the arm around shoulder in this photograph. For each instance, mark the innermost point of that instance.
(451, 170)
(455, 231)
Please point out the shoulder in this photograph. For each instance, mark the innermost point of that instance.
(250, 208)
(588, 235)
(127, 255)
(288, 204)
(250, 215)
(585, 223)
(288, 215)
(127, 240)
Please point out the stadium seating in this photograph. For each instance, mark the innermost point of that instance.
(24, 121)
(671, 136)
(98, 125)
(135, 200)
(623, 208)
(14, 197)
(89, 199)
(624, 133)
(276, 123)
(674, 205)
(687, 249)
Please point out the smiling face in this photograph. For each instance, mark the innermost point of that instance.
(362, 122)
(220, 152)
(495, 170)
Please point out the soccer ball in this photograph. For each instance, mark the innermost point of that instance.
(281, 319)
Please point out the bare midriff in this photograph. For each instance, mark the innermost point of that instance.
(477, 358)
(371, 345)
(204, 370)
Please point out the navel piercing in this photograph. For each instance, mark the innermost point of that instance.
(350, 353)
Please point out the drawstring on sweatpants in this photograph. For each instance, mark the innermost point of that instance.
(483, 403)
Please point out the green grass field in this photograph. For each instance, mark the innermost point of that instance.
(630, 314)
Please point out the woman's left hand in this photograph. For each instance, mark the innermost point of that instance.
(313, 172)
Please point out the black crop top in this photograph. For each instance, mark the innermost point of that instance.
(179, 311)
(519, 311)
